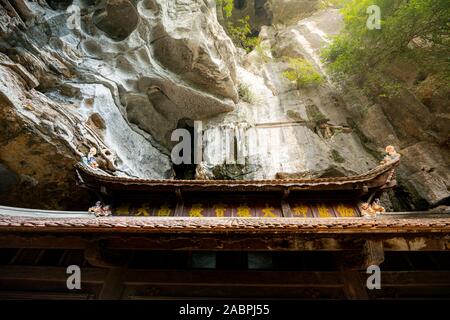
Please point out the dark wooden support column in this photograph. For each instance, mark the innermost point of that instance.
(373, 253)
(180, 203)
(354, 285)
(286, 209)
(350, 264)
(97, 256)
(113, 286)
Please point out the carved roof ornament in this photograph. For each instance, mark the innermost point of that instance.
(372, 209)
(320, 197)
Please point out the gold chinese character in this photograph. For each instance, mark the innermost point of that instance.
(268, 212)
(345, 211)
(243, 211)
(164, 211)
(323, 211)
(219, 210)
(143, 211)
(196, 210)
(300, 210)
(123, 210)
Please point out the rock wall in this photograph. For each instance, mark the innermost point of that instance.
(117, 75)
(415, 120)
(277, 132)
(121, 75)
(270, 12)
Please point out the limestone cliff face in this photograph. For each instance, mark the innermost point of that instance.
(414, 119)
(125, 74)
(285, 136)
(271, 12)
(117, 75)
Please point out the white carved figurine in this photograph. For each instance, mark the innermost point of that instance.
(376, 206)
(96, 209)
(90, 158)
(367, 211)
(202, 172)
(391, 155)
(372, 210)
(101, 211)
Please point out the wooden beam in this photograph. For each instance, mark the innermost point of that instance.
(417, 243)
(167, 292)
(233, 242)
(227, 241)
(51, 274)
(229, 278)
(32, 295)
(58, 241)
(431, 278)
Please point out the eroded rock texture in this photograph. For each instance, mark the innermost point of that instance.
(117, 75)
(284, 122)
(121, 75)
(413, 120)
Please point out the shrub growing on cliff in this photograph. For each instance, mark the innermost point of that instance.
(414, 29)
(302, 73)
(241, 34)
(227, 7)
(245, 93)
(324, 4)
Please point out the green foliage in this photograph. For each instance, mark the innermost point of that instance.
(261, 49)
(241, 34)
(227, 7)
(314, 114)
(324, 4)
(336, 156)
(302, 73)
(414, 29)
(245, 93)
(294, 115)
(381, 86)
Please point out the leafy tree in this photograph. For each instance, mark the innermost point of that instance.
(323, 4)
(302, 73)
(227, 7)
(411, 29)
(240, 32)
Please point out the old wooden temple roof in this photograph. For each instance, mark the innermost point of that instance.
(248, 215)
(170, 222)
(375, 178)
(321, 197)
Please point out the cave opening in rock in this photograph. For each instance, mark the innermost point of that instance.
(186, 171)
(59, 4)
(262, 11)
(117, 19)
(240, 4)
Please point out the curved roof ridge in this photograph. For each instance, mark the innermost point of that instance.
(371, 174)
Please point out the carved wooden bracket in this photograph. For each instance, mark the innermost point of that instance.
(97, 256)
